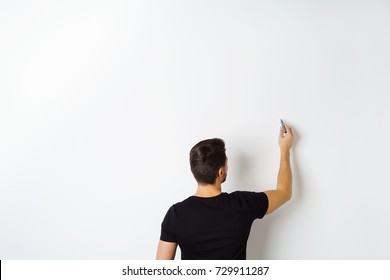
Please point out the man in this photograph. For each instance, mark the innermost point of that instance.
(215, 225)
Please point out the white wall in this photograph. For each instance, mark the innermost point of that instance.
(101, 101)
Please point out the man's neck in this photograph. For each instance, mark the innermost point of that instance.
(208, 190)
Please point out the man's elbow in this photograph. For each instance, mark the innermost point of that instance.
(289, 196)
(285, 193)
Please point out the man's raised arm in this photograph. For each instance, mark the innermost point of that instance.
(283, 192)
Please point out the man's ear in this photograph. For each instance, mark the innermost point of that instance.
(221, 172)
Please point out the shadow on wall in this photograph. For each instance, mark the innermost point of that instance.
(260, 236)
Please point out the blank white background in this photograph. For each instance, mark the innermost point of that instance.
(101, 101)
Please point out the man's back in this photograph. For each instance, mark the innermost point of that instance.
(214, 227)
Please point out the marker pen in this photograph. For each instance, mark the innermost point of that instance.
(284, 127)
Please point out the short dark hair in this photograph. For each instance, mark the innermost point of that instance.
(206, 158)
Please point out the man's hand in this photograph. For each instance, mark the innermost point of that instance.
(285, 140)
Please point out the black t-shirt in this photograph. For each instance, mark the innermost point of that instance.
(214, 228)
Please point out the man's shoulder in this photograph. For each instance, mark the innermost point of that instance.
(244, 193)
(183, 203)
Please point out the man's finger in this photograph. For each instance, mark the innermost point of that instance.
(288, 129)
(281, 132)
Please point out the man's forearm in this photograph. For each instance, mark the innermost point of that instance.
(285, 174)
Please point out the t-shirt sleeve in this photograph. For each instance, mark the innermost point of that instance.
(168, 226)
(257, 202)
